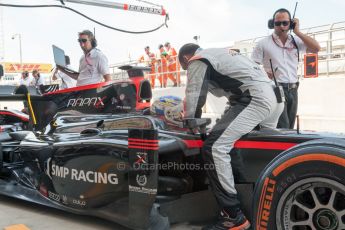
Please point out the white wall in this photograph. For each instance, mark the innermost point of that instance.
(321, 103)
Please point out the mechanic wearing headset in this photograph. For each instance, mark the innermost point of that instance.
(225, 72)
(25, 79)
(283, 49)
(93, 65)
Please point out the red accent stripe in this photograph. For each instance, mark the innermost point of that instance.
(143, 144)
(142, 147)
(100, 101)
(163, 12)
(142, 140)
(247, 144)
(193, 143)
(125, 6)
(263, 145)
(16, 115)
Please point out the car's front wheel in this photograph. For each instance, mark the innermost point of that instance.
(303, 189)
(312, 203)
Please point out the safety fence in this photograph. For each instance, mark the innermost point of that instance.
(331, 58)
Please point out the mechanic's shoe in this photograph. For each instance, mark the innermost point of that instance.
(225, 222)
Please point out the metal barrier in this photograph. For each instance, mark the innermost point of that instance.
(331, 56)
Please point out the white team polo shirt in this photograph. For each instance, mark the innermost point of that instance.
(26, 81)
(285, 57)
(37, 82)
(67, 81)
(92, 67)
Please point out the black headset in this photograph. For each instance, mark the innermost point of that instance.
(281, 10)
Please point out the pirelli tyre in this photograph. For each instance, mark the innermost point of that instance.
(303, 189)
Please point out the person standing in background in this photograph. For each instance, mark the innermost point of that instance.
(283, 49)
(93, 64)
(173, 64)
(66, 81)
(162, 66)
(149, 59)
(38, 81)
(25, 79)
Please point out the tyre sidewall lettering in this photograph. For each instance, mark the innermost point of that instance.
(284, 180)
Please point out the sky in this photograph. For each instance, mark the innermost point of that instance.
(216, 22)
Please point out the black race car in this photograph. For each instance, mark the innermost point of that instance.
(96, 150)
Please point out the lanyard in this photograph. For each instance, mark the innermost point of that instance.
(283, 47)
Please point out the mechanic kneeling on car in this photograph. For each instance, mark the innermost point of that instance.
(225, 72)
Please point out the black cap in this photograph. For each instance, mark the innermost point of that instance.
(188, 48)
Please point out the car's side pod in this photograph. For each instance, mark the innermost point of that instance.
(303, 187)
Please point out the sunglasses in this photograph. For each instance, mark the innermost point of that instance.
(284, 23)
(82, 40)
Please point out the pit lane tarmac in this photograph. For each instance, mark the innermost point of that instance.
(36, 217)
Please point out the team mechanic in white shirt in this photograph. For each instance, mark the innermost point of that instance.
(284, 50)
(25, 79)
(38, 81)
(93, 65)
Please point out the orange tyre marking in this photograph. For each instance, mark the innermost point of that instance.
(310, 157)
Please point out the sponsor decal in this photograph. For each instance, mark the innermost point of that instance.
(64, 199)
(123, 107)
(81, 203)
(122, 97)
(144, 9)
(81, 175)
(114, 101)
(43, 190)
(97, 102)
(141, 158)
(141, 180)
(54, 196)
(142, 190)
(18, 68)
(265, 203)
